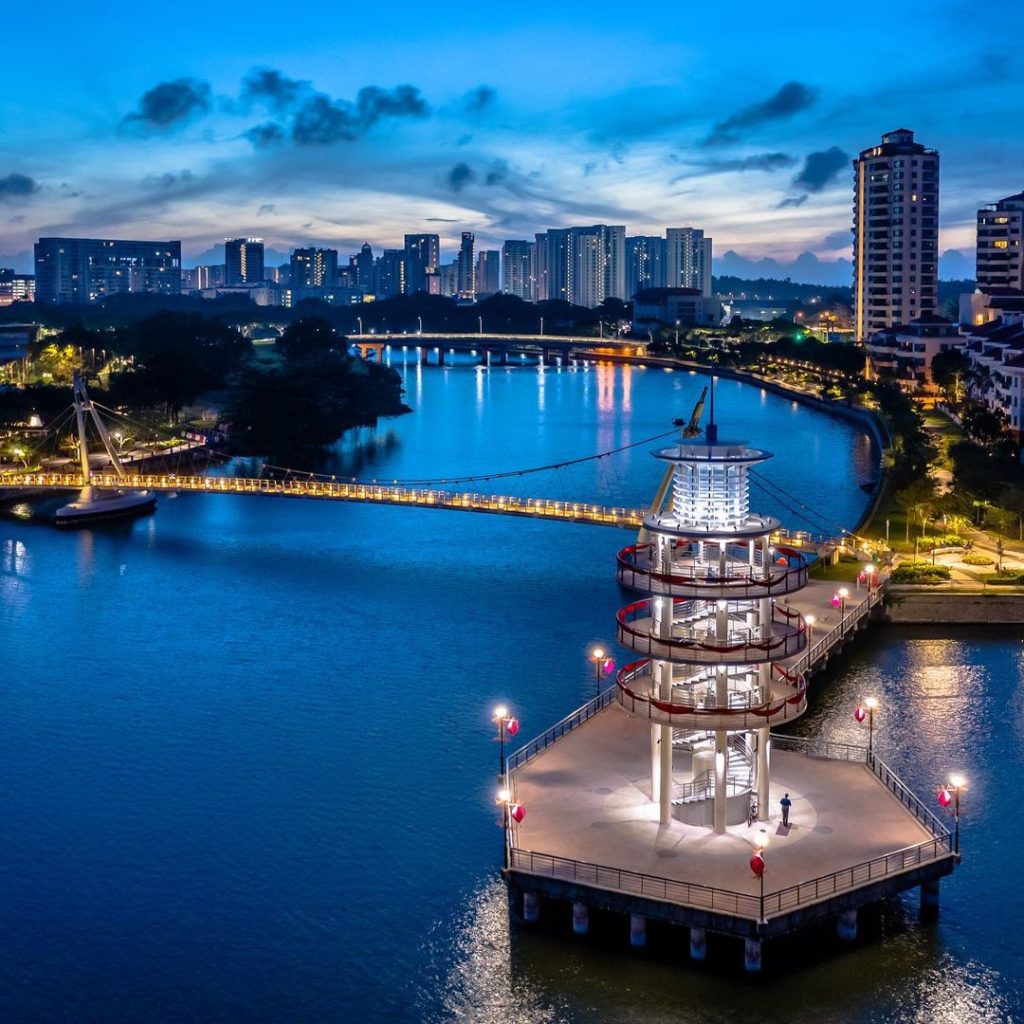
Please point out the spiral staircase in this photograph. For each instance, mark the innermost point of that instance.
(711, 627)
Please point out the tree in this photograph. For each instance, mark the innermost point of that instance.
(307, 337)
(916, 498)
(950, 371)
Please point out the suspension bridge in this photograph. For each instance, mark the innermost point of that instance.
(119, 486)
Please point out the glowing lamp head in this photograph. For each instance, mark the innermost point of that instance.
(500, 712)
(810, 620)
(871, 703)
(597, 654)
(503, 796)
(843, 593)
(958, 782)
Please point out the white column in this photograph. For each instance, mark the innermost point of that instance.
(763, 774)
(721, 775)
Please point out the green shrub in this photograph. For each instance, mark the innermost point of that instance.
(1006, 578)
(978, 559)
(920, 572)
(949, 540)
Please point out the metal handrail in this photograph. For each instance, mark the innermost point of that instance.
(530, 750)
(729, 901)
(836, 751)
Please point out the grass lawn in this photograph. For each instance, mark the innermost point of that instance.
(843, 572)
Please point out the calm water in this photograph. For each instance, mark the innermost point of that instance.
(247, 757)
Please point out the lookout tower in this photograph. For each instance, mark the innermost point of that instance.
(711, 627)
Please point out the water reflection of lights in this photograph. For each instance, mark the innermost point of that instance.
(15, 558)
(479, 985)
(605, 387)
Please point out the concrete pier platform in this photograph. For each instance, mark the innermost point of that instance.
(591, 832)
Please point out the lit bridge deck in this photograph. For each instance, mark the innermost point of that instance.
(373, 494)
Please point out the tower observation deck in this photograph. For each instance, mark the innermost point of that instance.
(712, 624)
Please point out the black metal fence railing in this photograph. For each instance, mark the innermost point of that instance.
(526, 753)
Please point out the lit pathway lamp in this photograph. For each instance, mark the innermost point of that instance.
(871, 573)
(507, 725)
(809, 621)
(867, 710)
(601, 661)
(843, 594)
(951, 793)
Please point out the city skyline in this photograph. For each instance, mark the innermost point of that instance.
(214, 134)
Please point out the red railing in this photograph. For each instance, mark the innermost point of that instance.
(743, 582)
(790, 640)
(646, 704)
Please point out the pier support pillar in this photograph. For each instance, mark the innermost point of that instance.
(752, 955)
(656, 764)
(846, 926)
(698, 943)
(930, 899)
(763, 774)
(637, 930)
(531, 907)
(580, 918)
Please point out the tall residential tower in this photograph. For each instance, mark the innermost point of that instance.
(895, 233)
(1000, 244)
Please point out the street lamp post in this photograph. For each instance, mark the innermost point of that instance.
(957, 783)
(809, 621)
(359, 320)
(843, 595)
(420, 321)
(501, 719)
(871, 704)
(542, 327)
(480, 319)
(598, 656)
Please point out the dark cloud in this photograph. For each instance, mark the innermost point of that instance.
(166, 181)
(460, 176)
(792, 201)
(169, 104)
(820, 168)
(320, 120)
(266, 134)
(272, 88)
(790, 99)
(265, 208)
(497, 174)
(755, 162)
(837, 240)
(478, 100)
(17, 186)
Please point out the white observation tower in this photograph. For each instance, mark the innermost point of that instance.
(711, 627)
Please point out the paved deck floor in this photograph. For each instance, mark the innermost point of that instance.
(587, 797)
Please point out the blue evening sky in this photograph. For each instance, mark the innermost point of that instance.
(369, 120)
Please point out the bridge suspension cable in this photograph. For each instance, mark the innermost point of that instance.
(796, 507)
(504, 474)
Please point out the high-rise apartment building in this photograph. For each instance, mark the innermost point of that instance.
(688, 259)
(517, 268)
(243, 261)
(80, 270)
(422, 258)
(391, 274)
(581, 265)
(645, 263)
(488, 273)
(467, 267)
(895, 233)
(362, 269)
(1001, 244)
(313, 270)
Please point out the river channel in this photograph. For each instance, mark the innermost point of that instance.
(248, 767)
